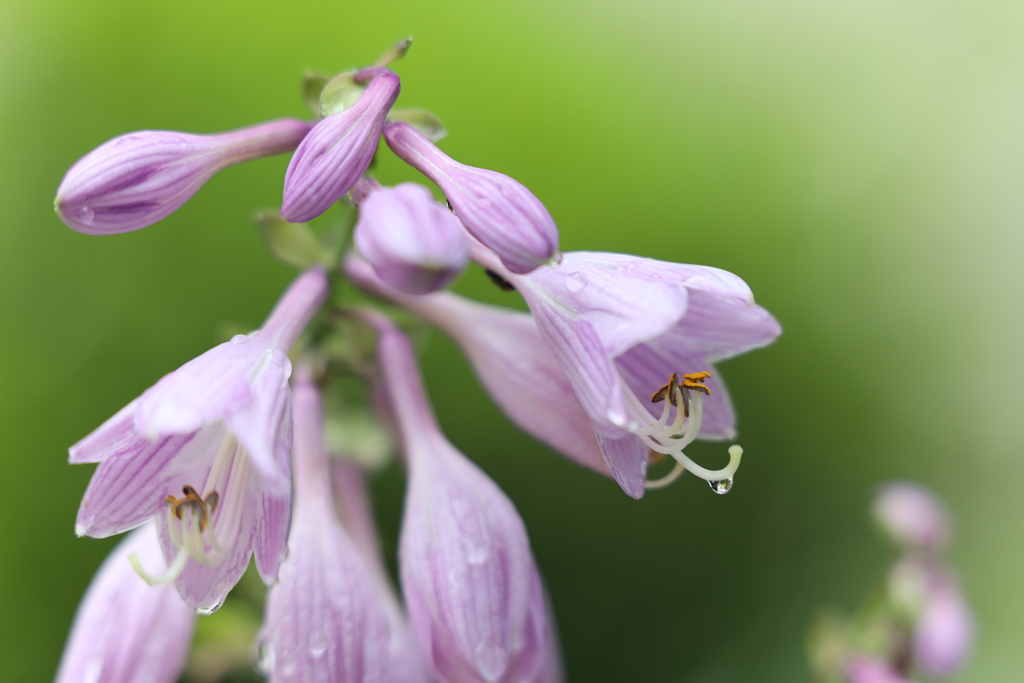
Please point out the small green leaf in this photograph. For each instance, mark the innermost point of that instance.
(312, 86)
(294, 244)
(421, 120)
(340, 93)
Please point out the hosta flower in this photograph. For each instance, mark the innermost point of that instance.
(473, 592)
(512, 361)
(140, 178)
(206, 451)
(413, 243)
(637, 339)
(326, 619)
(944, 633)
(126, 631)
(336, 153)
(494, 208)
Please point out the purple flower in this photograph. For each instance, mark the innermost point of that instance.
(206, 451)
(869, 670)
(326, 619)
(632, 333)
(473, 592)
(512, 361)
(336, 153)
(126, 631)
(944, 633)
(140, 178)
(912, 516)
(494, 208)
(413, 243)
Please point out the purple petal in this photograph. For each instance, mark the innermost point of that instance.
(626, 456)
(270, 545)
(627, 300)
(717, 327)
(115, 436)
(126, 631)
(129, 488)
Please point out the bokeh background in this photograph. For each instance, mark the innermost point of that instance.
(860, 164)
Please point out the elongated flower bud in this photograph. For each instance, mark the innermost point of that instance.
(140, 178)
(339, 149)
(468, 576)
(944, 633)
(494, 208)
(413, 243)
(126, 631)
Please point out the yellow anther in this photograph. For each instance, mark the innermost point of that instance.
(201, 508)
(696, 381)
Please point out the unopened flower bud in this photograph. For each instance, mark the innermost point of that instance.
(494, 208)
(414, 244)
(912, 516)
(944, 633)
(140, 178)
(339, 149)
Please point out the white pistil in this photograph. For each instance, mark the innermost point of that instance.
(670, 436)
(191, 521)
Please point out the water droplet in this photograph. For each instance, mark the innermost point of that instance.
(476, 552)
(207, 610)
(317, 644)
(86, 215)
(92, 670)
(240, 339)
(722, 486)
(263, 657)
(576, 282)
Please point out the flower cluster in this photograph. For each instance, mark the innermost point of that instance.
(918, 621)
(226, 457)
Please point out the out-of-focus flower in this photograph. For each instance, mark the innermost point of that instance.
(339, 149)
(944, 633)
(912, 516)
(512, 361)
(216, 432)
(494, 208)
(869, 670)
(325, 619)
(473, 592)
(126, 631)
(140, 178)
(413, 243)
(633, 332)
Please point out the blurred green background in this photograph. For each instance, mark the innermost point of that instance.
(860, 164)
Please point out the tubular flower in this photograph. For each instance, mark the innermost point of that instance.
(512, 361)
(126, 631)
(473, 592)
(339, 149)
(944, 633)
(140, 178)
(493, 208)
(413, 243)
(637, 339)
(206, 451)
(325, 620)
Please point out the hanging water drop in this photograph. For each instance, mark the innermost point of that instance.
(263, 657)
(722, 486)
(207, 610)
(317, 644)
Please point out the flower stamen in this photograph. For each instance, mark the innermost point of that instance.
(678, 426)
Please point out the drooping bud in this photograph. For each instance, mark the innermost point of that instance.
(339, 149)
(140, 178)
(494, 208)
(912, 516)
(413, 243)
(944, 633)
(473, 592)
(126, 630)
